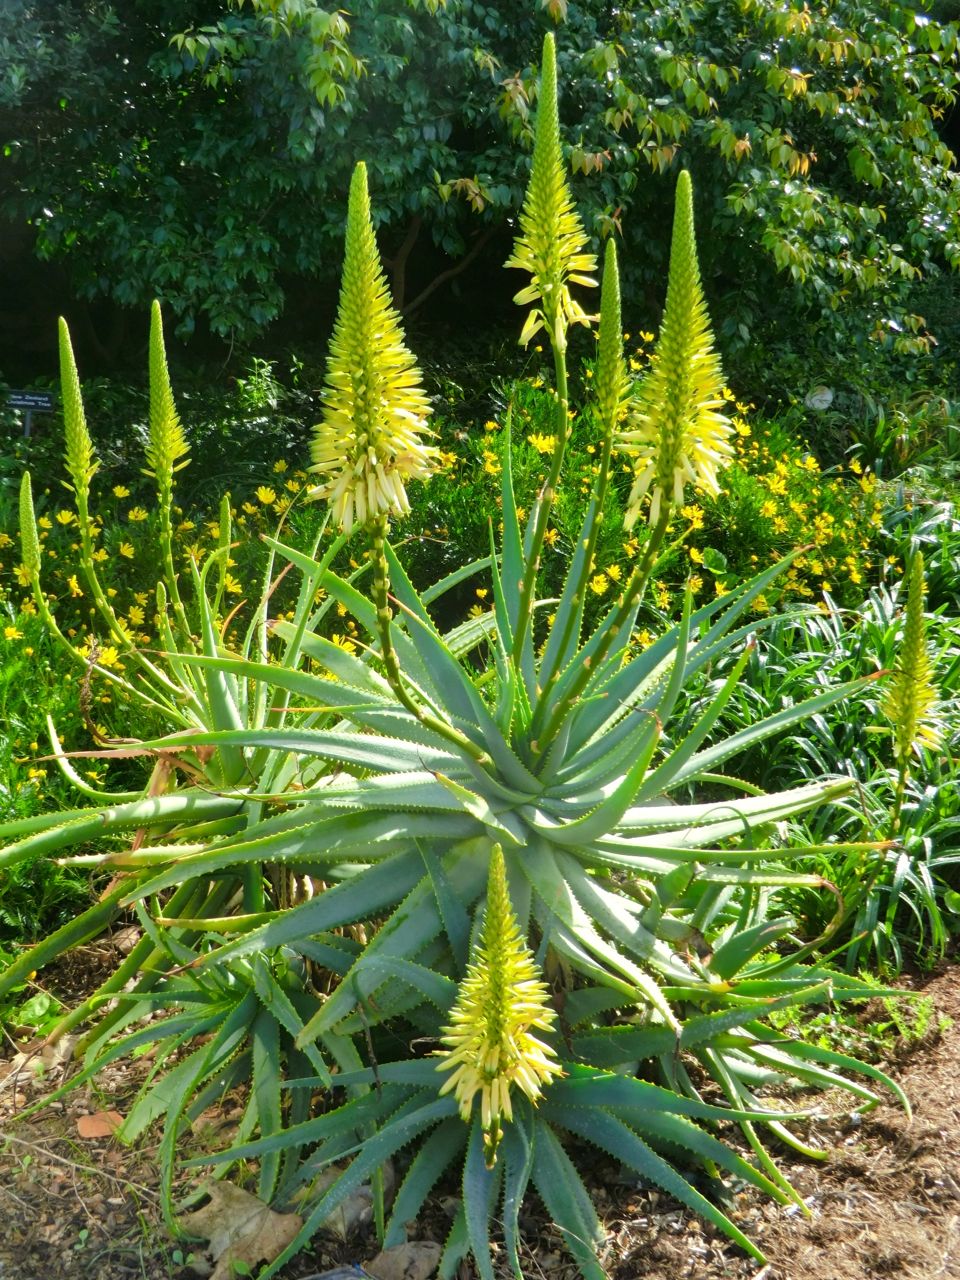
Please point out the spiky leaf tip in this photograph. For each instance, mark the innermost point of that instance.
(912, 697)
(489, 1047)
(677, 433)
(29, 539)
(80, 461)
(167, 449)
(375, 409)
(552, 242)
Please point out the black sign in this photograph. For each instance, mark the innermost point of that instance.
(37, 401)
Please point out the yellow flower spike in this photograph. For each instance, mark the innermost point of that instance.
(613, 389)
(489, 1045)
(677, 433)
(552, 240)
(911, 699)
(375, 410)
(29, 540)
(167, 449)
(81, 463)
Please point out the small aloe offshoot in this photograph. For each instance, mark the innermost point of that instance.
(912, 697)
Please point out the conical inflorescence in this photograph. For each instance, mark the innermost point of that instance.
(489, 1045)
(677, 433)
(79, 457)
(911, 699)
(552, 242)
(167, 449)
(369, 442)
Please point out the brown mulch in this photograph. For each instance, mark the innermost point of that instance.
(887, 1204)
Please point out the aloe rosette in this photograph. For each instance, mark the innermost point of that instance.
(505, 802)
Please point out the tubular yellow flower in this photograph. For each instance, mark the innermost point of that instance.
(676, 431)
(489, 1045)
(552, 240)
(375, 410)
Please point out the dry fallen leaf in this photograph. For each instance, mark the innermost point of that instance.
(356, 1210)
(100, 1125)
(415, 1260)
(40, 1058)
(239, 1228)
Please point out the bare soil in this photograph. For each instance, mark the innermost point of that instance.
(886, 1204)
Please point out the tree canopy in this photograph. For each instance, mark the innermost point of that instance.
(200, 150)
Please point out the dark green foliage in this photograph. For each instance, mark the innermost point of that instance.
(824, 190)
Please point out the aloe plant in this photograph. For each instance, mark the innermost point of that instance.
(505, 802)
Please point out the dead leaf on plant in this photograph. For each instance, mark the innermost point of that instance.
(100, 1125)
(239, 1228)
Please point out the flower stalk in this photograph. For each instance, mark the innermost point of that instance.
(672, 427)
(551, 247)
(613, 391)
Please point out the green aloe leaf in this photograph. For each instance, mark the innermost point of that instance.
(375, 1152)
(440, 1149)
(479, 1192)
(567, 1201)
(620, 1141)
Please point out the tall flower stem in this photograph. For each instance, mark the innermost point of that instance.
(544, 504)
(613, 393)
(81, 466)
(552, 249)
(381, 599)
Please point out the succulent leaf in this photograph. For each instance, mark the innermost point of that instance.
(677, 433)
(552, 242)
(375, 410)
